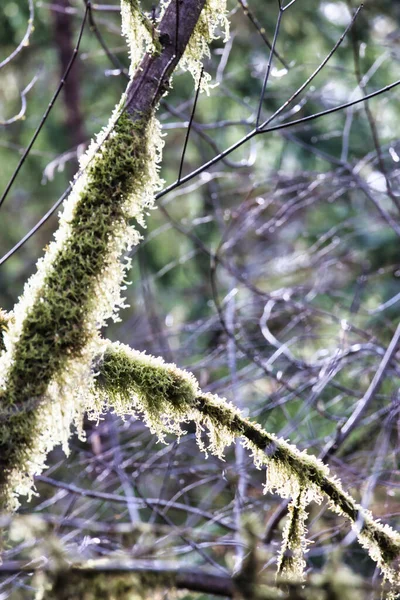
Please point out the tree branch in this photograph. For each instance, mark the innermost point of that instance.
(51, 342)
(165, 397)
(151, 80)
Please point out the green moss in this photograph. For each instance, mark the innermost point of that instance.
(55, 329)
(388, 547)
(121, 376)
(132, 382)
(291, 563)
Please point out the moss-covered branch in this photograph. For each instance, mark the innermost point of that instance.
(166, 397)
(63, 307)
(52, 335)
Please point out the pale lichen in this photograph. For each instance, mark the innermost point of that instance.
(139, 32)
(291, 563)
(213, 23)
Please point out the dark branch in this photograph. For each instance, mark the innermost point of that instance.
(151, 80)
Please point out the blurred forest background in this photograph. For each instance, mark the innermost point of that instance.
(273, 275)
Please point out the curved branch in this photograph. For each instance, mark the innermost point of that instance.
(151, 80)
(25, 40)
(165, 397)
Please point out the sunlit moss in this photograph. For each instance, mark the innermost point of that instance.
(131, 382)
(166, 397)
(142, 35)
(212, 19)
(139, 32)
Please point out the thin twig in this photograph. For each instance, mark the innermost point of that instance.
(25, 40)
(190, 124)
(50, 106)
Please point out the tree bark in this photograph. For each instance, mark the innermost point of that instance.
(151, 80)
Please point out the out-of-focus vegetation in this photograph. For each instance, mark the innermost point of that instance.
(274, 276)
